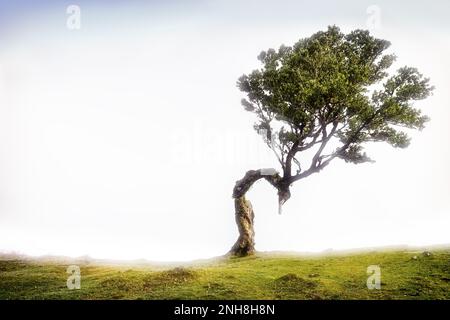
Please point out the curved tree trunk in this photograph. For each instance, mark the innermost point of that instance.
(244, 215)
(245, 244)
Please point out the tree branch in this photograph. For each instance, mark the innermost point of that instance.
(289, 157)
(242, 186)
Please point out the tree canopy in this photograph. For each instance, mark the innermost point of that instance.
(331, 90)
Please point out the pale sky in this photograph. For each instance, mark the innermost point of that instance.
(123, 139)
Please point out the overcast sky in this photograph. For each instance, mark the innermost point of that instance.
(123, 139)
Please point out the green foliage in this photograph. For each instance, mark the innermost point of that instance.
(322, 88)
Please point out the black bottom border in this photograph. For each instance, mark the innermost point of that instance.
(223, 309)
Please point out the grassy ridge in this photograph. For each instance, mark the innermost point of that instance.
(404, 275)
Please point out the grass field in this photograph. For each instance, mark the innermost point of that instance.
(404, 275)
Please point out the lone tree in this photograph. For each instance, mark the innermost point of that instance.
(322, 99)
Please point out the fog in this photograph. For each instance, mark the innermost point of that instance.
(123, 139)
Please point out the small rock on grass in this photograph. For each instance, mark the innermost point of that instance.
(427, 254)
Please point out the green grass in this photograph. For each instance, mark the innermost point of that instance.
(263, 276)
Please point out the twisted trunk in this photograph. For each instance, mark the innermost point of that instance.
(244, 214)
(245, 244)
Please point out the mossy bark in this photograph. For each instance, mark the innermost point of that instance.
(245, 244)
(244, 214)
